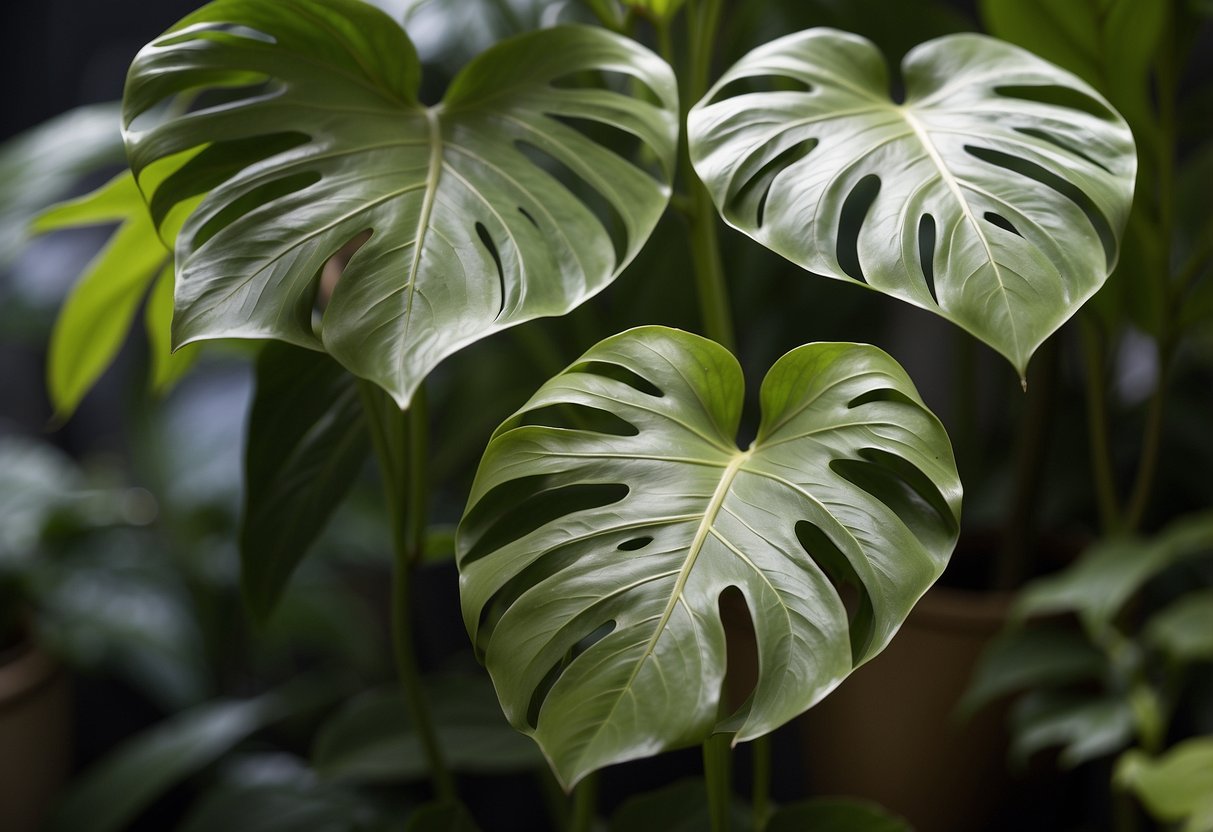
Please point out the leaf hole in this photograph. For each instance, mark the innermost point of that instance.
(757, 175)
(881, 394)
(514, 509)
(334, 268)
(635, 544)
(258, 197)
(1001, 221)
(751, 84)
(854, 211)
(619, 373)
(486, 239)
(625, 145)
(905, 490)
(221, 32)
(573, 416)
(1061, 144)
(926, 252)
(215, 164)
(540, 694)
(1057, 96)
(527, 214)
(607, 214)
(1046, 177)
(741, 649)
(837, 569)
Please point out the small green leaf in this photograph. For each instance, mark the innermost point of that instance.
(593, 552)
(835, 815)
(501, 204)
(1176, 786)
(1184, 630)
(994, 195)
(97, 315)
(1028, 658)
(372, 740)
(307, 441)
(112, 793)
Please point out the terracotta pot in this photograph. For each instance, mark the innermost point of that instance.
(35, 736)
(889, 733)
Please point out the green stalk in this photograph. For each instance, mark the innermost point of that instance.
(399, 440)
(585, 804)
(1147, 464)
(760, 794)
(1097, 427)
(716, 771)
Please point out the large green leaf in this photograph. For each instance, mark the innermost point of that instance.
(319, 137)
(593, 557)
(994, 195)
(307, 441)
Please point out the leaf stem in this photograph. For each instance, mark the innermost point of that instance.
(399, 440)
(717, 774)
(1097, 426)
(585, 804)
(760, 794)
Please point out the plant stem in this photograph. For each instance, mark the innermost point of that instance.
(760, 795)
(399, 440)
(1097, 427)
(716, 771)
(585, 804)
(703, 18)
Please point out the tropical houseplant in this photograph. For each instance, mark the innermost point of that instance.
(305, 193)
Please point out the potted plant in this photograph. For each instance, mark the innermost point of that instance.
(307, 195)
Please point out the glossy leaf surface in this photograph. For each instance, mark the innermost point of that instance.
(612, 511)
(320, 137)
(994, 195)
(307, 441)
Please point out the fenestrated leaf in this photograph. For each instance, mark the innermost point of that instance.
(307, 440)
(994, 195)
(320, 137)
(593, 556)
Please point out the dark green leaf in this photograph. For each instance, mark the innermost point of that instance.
(1184, 630)
(612, 511)
(993, 196)
(678, 807)
(276, 808)
(1031, 657)
(1085, 727)
(473, 226)
(307, 441)
(835, 815)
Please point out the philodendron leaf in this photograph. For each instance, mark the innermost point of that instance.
(319, 137)
(593, 557)
(307, 441)
(994, 195)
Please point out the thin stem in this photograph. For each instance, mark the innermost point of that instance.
(585, 804)
(1097, 427)
(716, 771)
(760, 794)
(399, 441)
(1151, 439)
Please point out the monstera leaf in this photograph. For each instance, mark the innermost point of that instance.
(501, 204)
(612, 511)
(993, 195)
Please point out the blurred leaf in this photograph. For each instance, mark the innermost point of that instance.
(1111, 572)
(1176, 786)
(1086, 727)
(372, 740)
(36, 480)
(113, 792)
(441, 817)
(439, 544)
(42, 165)
(98, 312)
(167, 366)
(307, 441)
(678, 807)
(835, 815)
(1030, 657)
(1184, 630)
(277, 808)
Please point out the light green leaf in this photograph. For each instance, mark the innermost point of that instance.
(1184, 630)
(1177, 786)
(593, 557)
(835, 815)
(993, 196)
(372, 740)
(472, 230)
(111, 794)
(1031, 657)
(168, 367)
(97, 315)
(1086, 728)
(307, 441)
